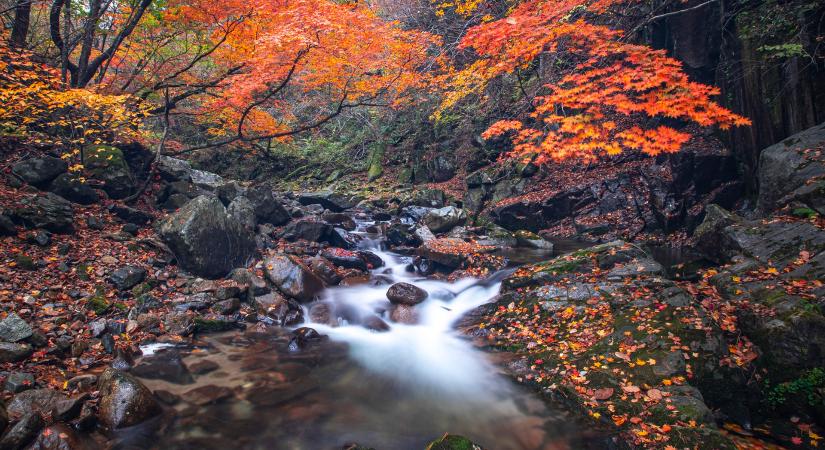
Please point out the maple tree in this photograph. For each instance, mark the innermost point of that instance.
(601, 92)
(37, 107)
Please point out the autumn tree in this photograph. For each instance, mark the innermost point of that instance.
(606, 95)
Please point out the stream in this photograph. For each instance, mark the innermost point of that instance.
(397, 389)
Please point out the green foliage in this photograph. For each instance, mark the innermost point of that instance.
(805, 213)
(778, 29)
(783, 50)
(804, 387)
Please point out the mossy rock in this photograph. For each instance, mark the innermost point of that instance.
(805, 213)
(83, 272)
(204, 325)
(452, 442)
(107, 164)
(25, 262)
(98, 304)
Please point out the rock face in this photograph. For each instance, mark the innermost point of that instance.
(206, 240)
(40, 171)
(47, 211)
(662, 193)
(124, 400)
(787, 167)
(406, 294)
(293, 278)
(444, 219)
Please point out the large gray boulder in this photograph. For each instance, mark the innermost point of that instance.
(789, 165)
(74, 189)
(40, 171)
(124, 400)
(330, 200)
(206, 240)
(444, 219)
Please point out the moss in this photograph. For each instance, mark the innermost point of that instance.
(804, 213)
(203, 325)
(25, 262)
(101, 157)
(98, 304)
(452, 442)
(143, 288)
(83, 272)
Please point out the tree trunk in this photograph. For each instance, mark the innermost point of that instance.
(20, 28)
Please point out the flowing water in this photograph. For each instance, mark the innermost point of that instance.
(397, 389)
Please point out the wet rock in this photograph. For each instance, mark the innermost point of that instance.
(14, 352)
(127, 277)
(205, 239)
(373, 261)
(532, 240)
(340, 237)
(404, 314)
(375, 323)
(302, 337)
(82, 382)
(293, 278)
(322, 313)
(60, 436)
(444, 219)
(14, 329)
(23, 432)
(74, 190)
(48, 211)
(42, 401)
(124, 400)
(342, 220)
(267, 208)
(254, 284)
(332, 201)
(344, 258)
(228, 306)
(165, 365)
(40, 171)
(401, 235)
(17, 382)
(208, 395)
(325, 270)
(406, 294)
(68, 409)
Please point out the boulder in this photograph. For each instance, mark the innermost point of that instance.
(131, 215)
(42, 401)
(174, 169)
(124, 400)
(293, 278)
(310, 228)
(23, 432)
(74, 189)
(14, 329)
(40, 171)
(333, 201)
(243, 212)
(430, 198)
(267, 208)
(7, 227)
(344, 258)
(47, 211)
(325, 270)
(206, 240)
(127, 277)
(402, 235)
(60, 436)
(14, 351)
(789, 165)
(107, 164)
(406, 294)
(529, 239)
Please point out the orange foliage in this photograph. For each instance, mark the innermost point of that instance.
(596, 107)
